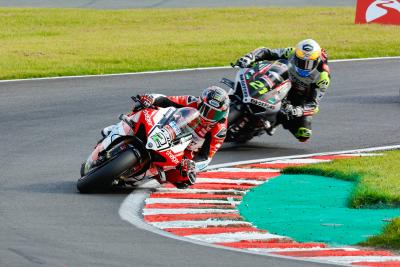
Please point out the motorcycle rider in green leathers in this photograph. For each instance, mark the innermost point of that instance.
(310, 76)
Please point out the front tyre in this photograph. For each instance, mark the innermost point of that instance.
(234, 113)
(101, 178)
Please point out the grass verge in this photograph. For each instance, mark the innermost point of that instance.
(389, 239)
(59, 42)
(377, 186)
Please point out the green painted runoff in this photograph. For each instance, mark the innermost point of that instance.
(312, 208)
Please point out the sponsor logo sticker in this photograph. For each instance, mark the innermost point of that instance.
(172, 157)
(147, 117)
(378, 11)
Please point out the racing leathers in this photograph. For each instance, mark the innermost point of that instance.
(207, 137)
(303, 99)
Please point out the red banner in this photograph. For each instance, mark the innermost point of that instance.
(378, 11)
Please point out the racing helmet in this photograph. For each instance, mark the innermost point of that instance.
(214, 104)
(306, 57)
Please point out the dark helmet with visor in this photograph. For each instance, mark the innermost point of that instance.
(214, 104)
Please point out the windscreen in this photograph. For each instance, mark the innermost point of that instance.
(177, 124)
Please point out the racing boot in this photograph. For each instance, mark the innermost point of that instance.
(271, 130)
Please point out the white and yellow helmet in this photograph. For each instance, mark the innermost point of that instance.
(306, 57)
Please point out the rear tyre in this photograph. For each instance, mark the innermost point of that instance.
(100, 179)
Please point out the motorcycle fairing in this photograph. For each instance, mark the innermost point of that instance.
(262, 90)
(160, 139)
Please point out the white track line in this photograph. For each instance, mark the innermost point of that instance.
(198, 224)
(246, 170)
(176, 71)
(186, 211)
(298, 161)
(228, 181)
(173, 201)
(271, 250)
(371, 149)
(235, 237)
(176, 191)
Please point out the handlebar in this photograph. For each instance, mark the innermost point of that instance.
(136, 103)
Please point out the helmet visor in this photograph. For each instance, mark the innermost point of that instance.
(305, 64)
(210, 113)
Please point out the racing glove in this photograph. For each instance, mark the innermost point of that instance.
(141, 102)
(246, 61)
(146, 100)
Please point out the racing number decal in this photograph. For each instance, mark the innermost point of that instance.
(159, 139)
(259, 86)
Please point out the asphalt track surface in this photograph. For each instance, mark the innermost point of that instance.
(48, 127)
(122, 4)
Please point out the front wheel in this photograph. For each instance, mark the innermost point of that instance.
(235, 113)
(101, 178)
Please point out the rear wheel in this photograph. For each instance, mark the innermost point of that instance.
(102, 177)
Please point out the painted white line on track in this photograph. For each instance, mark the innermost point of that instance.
(298, 161)
(227, 181)
(246, 170)
(173, 201)
(264, 160)
(174, 71)
(229, 191)
(235, 237)
(198, 224)
(316, 248)
(186, 211)
(363, 59)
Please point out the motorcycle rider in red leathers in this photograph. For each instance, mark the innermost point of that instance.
(310, 77)
(209, 130)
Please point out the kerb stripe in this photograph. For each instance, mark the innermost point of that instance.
(193, 196)
(285, 244)
(185, 217)
(378, 264)
(188, 206)
(207, 212)
(336, 253)
(211, 230)
(271, 165)
(239, 175)
(218, 186)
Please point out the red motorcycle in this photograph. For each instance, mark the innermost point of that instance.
(142, 145)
